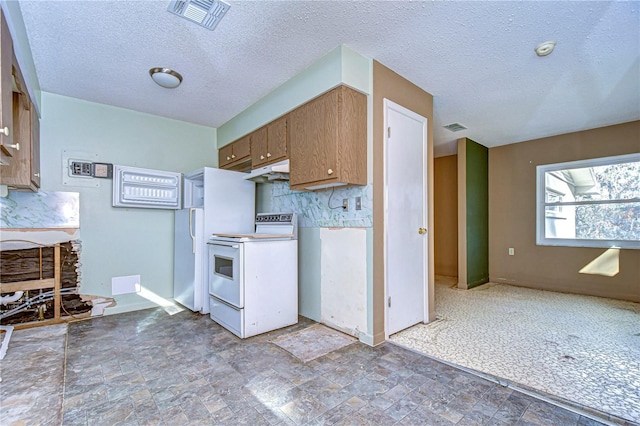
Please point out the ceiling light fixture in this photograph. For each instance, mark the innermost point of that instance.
(545, 48)
(166, 77)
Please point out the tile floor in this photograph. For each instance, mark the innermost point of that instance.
(578, 348)
(32, 375)
(152, 368)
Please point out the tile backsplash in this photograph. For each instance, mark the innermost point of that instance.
(40, 210)
(322, 209)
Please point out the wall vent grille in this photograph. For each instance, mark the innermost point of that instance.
(206, 13)
(455, 127)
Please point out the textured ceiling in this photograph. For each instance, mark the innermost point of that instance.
(476, 58)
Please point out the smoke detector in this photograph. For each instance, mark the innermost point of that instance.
(455, 127)
(206, 13)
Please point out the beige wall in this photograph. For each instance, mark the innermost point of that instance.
(512, 216)
(388, 84)
(445, 231)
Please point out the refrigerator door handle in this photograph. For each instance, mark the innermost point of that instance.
(191, 233)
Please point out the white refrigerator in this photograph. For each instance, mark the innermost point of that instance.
(214, 201)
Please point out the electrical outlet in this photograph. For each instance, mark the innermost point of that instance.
(79, 168)
(76, 168)
(358, 203)
(345, 204)
(512, 251)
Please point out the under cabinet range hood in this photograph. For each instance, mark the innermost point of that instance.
(271, 173)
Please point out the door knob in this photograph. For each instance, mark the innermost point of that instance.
(228, 158)
(233, 156)
(329, 172)
(262, 157)
(268, 155)
(4, 131)
(422, 231)
(15, 146)
(37, 175)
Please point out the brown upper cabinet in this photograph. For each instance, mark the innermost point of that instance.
(20, 125)
(35, 147)
(7, 146)
(23, 172)
(329, 141)
(236, 155)
(269, 143)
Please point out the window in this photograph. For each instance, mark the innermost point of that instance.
(590, 203)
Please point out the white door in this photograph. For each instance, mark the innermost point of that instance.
(406, 240)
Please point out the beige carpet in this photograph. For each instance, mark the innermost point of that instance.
(580, 348)
(313, 342)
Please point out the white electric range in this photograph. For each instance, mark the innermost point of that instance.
(253, 278)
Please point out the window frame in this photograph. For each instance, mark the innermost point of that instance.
(541, 204)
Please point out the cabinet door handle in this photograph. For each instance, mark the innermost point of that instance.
(36, 175)
(268, 155)
(233, 156)
(15, 146)
(4, 131)
(262, 157)
(228, 158)
(330, 171)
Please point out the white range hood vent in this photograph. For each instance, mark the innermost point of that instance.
(271, 173)
(206, 13)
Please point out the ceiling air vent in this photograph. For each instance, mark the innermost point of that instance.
(206, 13)
(455, 127)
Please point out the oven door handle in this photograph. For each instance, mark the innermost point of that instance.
(225, 245)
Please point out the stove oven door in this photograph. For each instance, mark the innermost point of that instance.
(226, 281)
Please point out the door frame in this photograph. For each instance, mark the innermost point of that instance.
(387, 105)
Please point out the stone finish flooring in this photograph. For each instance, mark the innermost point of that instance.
(152, 368)
(578, 348)
(32, 374)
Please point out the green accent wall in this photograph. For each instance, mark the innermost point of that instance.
(477, 214)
